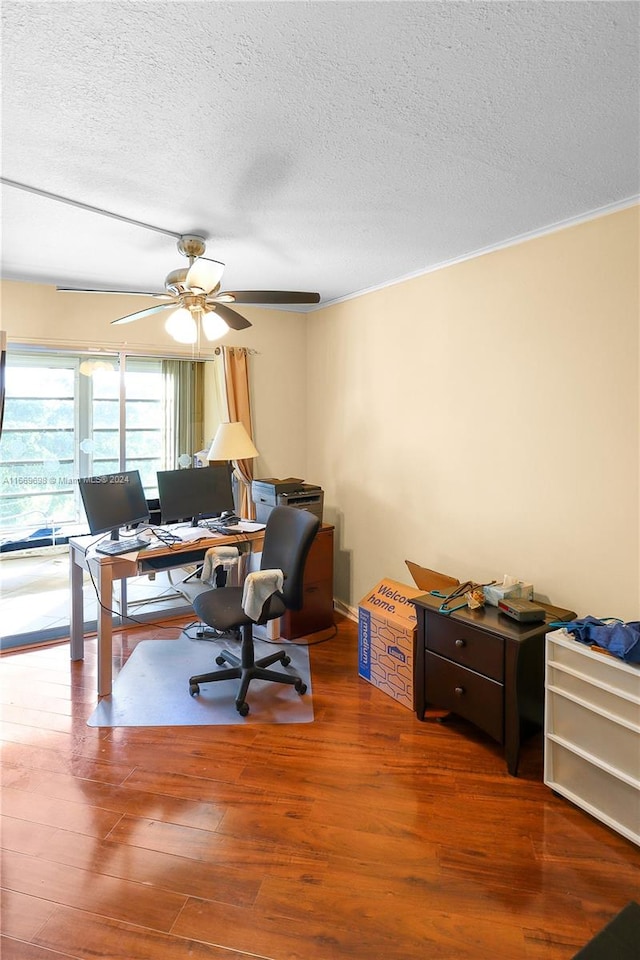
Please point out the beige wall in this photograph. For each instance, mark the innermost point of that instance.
(37, 314)
(484, 419)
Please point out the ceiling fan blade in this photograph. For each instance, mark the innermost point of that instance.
(268, 296)
(204, 275)
(124, 293)
(146, 313)
(233, 319)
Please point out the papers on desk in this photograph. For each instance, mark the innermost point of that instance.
(94, 554)
(188, 534)
(191, 534)
(243, 526)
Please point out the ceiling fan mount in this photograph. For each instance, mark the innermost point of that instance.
(191, 245)
(177, 282)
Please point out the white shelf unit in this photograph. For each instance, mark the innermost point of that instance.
(592, 732)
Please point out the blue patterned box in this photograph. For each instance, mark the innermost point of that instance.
(386, 638)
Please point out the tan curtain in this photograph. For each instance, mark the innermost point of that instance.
(236, 372)
(184, 409)
(198, 393)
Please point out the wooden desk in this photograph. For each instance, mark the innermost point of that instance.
(106, 570)
(484, 666)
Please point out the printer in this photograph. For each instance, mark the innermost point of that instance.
(292, 492)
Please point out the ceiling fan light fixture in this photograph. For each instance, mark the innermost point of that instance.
(213, 325)
(181, 326)
(204, 275)
(88, 367)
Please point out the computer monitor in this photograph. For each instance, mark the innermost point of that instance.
(194, 493)
(113, 500)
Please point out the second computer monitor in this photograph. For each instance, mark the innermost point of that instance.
(194, 493)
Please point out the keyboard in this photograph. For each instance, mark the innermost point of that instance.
(114, 548)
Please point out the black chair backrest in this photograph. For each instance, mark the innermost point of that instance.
(287, 540)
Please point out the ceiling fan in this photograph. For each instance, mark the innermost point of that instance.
(193, 295)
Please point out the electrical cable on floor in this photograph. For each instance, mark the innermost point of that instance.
(280, 642)
(197, 624)
(118, 613)
(153, 623)
(194, 573)
(293, 643)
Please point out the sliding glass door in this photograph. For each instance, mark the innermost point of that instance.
(74, 415)
(38, 448)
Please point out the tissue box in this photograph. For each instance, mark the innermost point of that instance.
(516, 591)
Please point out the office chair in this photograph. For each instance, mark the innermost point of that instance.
(288, 536)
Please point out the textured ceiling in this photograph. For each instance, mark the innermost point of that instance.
(327, 146)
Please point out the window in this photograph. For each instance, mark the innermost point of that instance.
(69, 416)
(144, 422)
(38, 445)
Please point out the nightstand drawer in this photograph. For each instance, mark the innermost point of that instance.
(463, 691)
(472, 648)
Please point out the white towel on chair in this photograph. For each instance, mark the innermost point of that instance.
(257, 589)
(225, 557)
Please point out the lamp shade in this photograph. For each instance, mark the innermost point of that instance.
(232, 442)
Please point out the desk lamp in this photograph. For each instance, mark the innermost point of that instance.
(232, 443)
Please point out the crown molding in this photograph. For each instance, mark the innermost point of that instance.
(483, 251)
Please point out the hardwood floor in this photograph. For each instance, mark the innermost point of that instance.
(365, 834)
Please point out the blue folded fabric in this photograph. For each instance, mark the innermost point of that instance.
(620, 639)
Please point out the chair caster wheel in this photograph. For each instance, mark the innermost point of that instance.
(300, 687)
(194, 689)
(242, 708)
(220, 661)
(285, 660)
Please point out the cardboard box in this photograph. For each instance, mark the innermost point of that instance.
(429, 580)
(387, 631)
(386, 638)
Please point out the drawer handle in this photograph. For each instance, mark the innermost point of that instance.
(459, 691)
(461, 643)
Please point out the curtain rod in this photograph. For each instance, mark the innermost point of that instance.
(92, 348)
(249, 350)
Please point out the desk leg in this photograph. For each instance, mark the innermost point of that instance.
(76, 625)
(105, 628)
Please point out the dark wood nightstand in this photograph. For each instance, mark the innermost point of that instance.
(485, 667)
